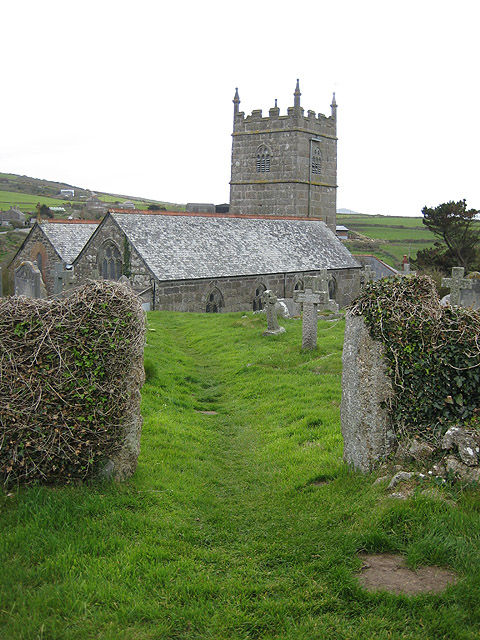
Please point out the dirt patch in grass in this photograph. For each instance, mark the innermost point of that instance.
(387, 572)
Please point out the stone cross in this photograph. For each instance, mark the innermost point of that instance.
(456, 283)
(269, 300)
(314, 296)
(63, 279)
(366, 274)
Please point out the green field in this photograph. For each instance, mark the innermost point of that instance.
(241, 521)
(26, 201)
(394, 237)
(381, 221)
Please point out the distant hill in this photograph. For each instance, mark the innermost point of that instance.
(25, 192)
(349, 212)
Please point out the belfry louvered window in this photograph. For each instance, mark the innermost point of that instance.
(263, 160)
(317, 162)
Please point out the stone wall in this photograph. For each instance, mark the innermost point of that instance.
(239, 292)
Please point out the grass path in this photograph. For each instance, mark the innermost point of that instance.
(241, 521)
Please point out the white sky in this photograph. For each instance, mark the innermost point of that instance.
(136, 97)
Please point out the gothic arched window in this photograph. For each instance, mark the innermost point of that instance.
(298, 285)
(39, 261)
(257, 300)
(111, 261)
(263, 159)
(332, 288)
(317, 161)
(215, 301)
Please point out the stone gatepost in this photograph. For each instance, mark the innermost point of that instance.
(269, 300)
(456, 283)
(366, 391)
(315, 296)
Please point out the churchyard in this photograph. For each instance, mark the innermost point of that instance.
(241, 521)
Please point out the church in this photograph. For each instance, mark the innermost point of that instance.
(281, 227)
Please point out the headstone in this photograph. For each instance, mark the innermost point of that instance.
(470, 298)
(28, 281)
(315, 296)
(124, 280)
(366, 391)
(63, 279)
(269, 300)
(456, 283)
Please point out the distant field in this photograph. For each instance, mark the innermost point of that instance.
(25, 201)
(396, 236)
(381, 221)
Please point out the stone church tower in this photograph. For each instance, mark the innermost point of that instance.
(284, 165)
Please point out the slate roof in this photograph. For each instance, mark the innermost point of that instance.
(68, 238)
(184, 247)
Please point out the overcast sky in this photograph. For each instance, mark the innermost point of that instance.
(136, 97)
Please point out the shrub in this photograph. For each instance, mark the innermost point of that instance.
(432, 352)
(69, 379)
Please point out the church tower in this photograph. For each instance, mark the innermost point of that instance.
(284, 165)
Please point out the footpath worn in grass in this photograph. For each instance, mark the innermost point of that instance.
(241, 521)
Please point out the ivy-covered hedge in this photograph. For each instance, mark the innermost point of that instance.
(432, 352)
(67, 374)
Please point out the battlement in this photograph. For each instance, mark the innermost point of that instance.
(317, 124)
(256, 122)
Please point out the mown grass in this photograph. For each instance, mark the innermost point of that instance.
(239, 523)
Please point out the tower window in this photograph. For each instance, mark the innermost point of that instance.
(263, 159)
(317, 162)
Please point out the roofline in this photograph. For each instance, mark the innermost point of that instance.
(25, 241)
(61, 221)
(101, 224)
(257, 275)
(195, 214)
(370, 255)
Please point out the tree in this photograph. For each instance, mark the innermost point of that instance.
(455, 225)
(42, 211)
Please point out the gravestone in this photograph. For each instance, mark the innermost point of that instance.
(315, 296)
(124, 280)
(470, 298)
(269, 300)
(28, 281)
(456, 283)
(63, 279)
